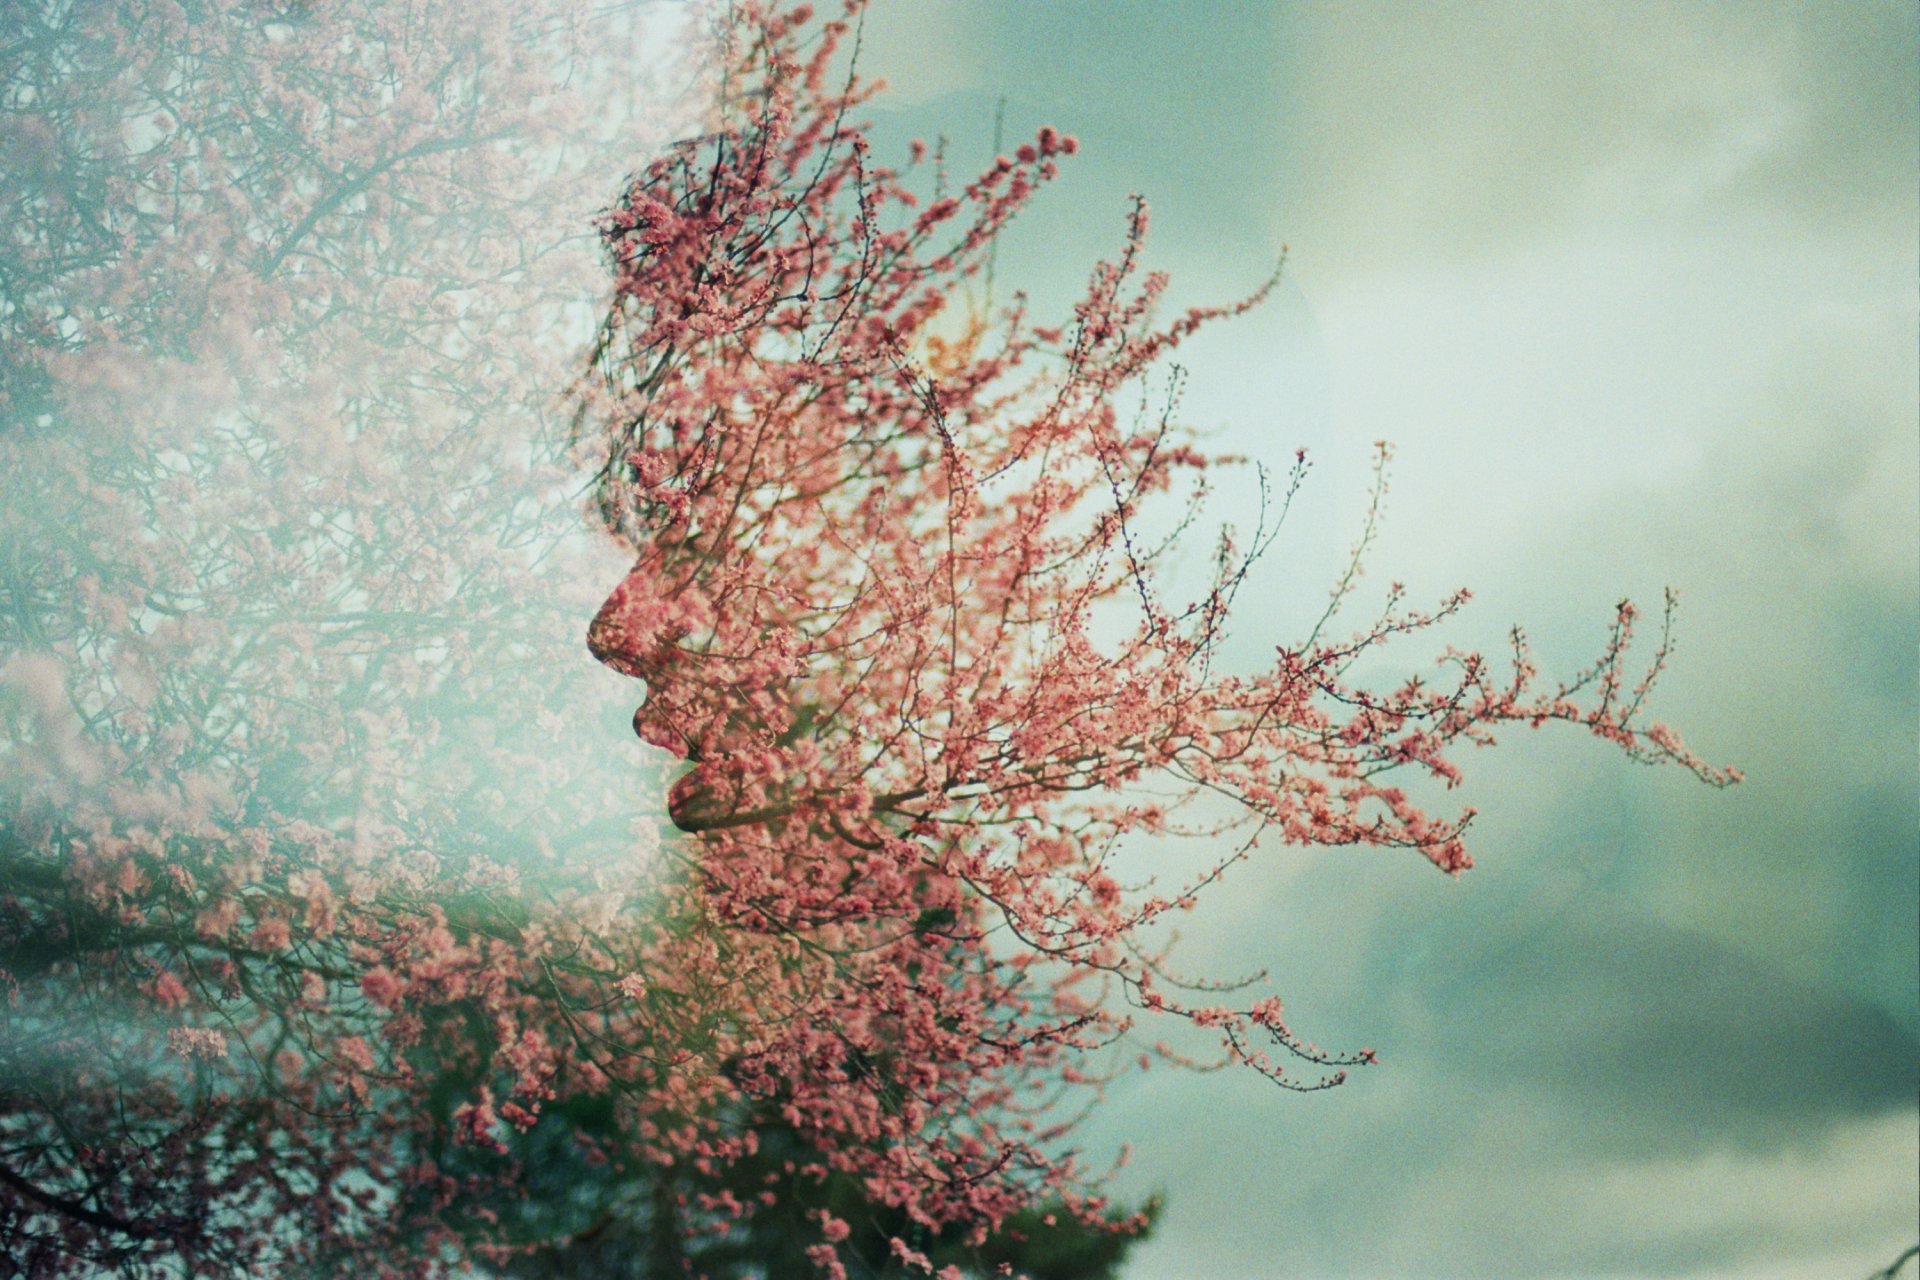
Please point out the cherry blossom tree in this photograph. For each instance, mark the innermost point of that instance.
(895, 604)
(333, 937)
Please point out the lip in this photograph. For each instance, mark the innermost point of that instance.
(612, 647)
(610, 653)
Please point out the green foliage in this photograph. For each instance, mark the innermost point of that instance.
(612, 1220)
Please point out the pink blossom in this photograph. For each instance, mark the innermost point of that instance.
(271, 934)
(197, 1042)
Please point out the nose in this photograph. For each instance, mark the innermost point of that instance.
(615, 636)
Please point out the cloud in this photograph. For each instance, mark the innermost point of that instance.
(1435, 1176)
(1839, 1203)
(1474, 126)
(1641, 1037)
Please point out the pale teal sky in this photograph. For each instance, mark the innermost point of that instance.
(1632, 288)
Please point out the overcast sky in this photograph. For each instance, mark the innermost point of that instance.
(1633, 290)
